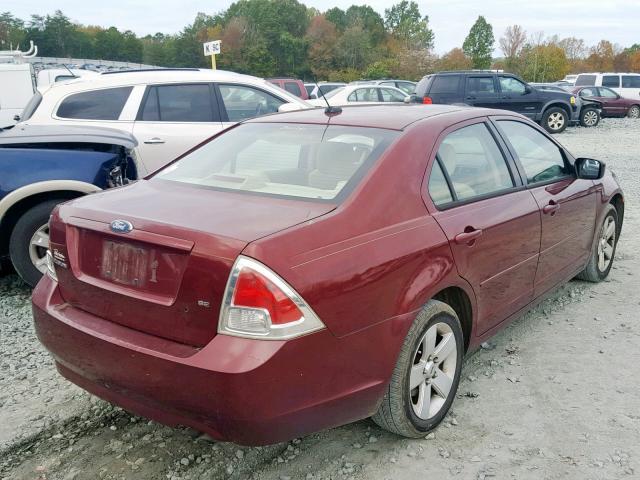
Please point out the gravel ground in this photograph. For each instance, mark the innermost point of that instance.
(555, 395)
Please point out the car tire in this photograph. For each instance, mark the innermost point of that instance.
(634, 111)
(555, 120)
(25, 247)
(589, 117)
(435, 326)
(600, 262)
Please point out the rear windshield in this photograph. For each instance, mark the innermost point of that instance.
(288, 160)
(586, 81)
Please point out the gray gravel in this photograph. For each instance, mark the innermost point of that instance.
(555, 395)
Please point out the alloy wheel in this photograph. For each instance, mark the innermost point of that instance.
(590, 118)
(634, 112)
(38, 246)
(606, 244)
(433, 371)
(556, 121)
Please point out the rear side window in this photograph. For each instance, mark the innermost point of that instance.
(541, 159)
(474, 163)
(317, 162)
(481, 86)
(438, 186)
(292, 87)
(104, 104)
(612, 81)
(630, 81)
(586, 81)
(421, 87)
(179, 103)
(445, 84)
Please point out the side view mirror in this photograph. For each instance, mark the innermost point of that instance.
(313, 96)
(407, 99)
(527, 90)
(16, 118)
(589, 169)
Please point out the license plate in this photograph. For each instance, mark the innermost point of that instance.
(124, 263)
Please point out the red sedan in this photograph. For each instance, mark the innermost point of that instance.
(305, 270)
(613, 105)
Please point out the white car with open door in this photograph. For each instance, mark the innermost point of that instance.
(361, 94)
(168, 111)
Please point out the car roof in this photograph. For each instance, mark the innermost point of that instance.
(392, 117)
(134, 77)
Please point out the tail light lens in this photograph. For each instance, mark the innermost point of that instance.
(259, 304)
(427, 101)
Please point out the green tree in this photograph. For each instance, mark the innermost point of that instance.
(404, 21)
(338, 17)
(12, 33)
(367, 18)
(479, 43)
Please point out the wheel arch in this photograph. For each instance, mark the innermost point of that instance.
(20, 200)
(618, 203)
(558, 104)
(458, 299)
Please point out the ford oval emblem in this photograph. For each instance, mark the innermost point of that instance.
(121, 226)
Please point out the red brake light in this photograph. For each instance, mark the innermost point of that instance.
(427, 101)
(254, 290)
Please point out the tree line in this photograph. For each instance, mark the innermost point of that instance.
(285, 38)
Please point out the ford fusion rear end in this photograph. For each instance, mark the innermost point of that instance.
(151, 302)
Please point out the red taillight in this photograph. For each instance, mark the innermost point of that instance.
(254, 290)
(259, 304)
(427, 101)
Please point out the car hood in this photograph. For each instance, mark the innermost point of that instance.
(547, 95)
(26, 133)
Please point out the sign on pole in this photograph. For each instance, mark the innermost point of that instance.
(211, 49)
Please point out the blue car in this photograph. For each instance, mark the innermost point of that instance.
(42, 166)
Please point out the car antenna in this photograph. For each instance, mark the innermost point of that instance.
(330, 111)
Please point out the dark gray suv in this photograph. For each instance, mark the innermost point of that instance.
(491, 89)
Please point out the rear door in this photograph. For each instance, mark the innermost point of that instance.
(567, 204)
(492, 223)
(174, 118)
(482, 91)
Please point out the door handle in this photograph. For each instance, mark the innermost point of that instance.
(467, 238)
(154, 140)
(551, 208)
(471, 97)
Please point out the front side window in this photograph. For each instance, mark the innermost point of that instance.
(302, 161)
(541, 159)
(512, 85)
(178, 103)
(589, 92)
(242, 102)
(364, 95)
(389, 95)
(611, 81)
(474, 163)
(407, 87)
(480, 86)
(631, 81)
(106, 104)
(607, 93)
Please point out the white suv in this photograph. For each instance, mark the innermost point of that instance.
(168, 111)
(624, 84)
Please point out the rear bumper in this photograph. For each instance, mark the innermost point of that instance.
(250, 392)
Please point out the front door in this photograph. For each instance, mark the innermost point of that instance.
(481, 91)
(491, 222)
(567, 204)
(173, 119)
(518, 97)
(613, 104)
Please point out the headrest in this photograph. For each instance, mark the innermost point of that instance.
(448, 156)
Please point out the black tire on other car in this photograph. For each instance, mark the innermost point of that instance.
(397, 412)
(20, 241)
(634, 111)
(604, 247)
(555, 120)
(589, 117)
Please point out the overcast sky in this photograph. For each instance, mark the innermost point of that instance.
(592, 20)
